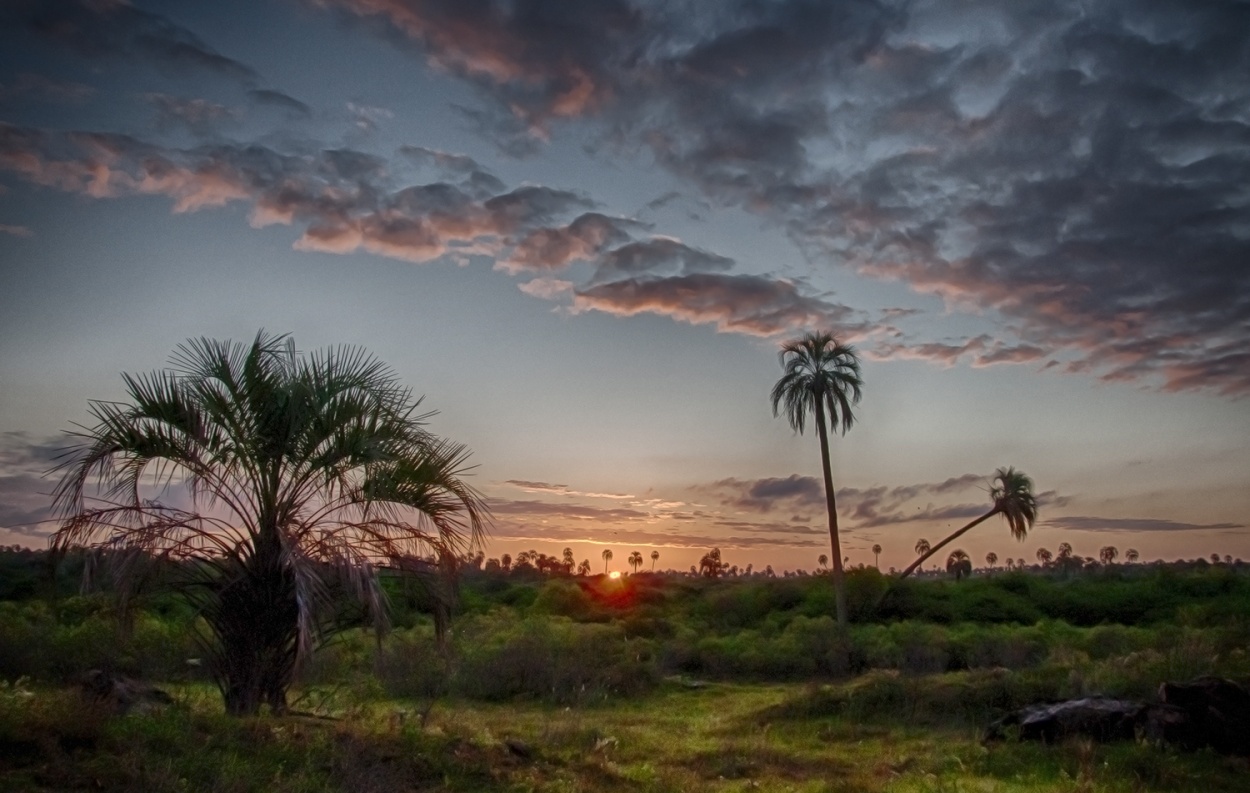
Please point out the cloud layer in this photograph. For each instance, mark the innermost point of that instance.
(1079, 171)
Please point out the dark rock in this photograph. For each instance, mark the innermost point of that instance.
(519, 748)
(1100, 718)
(123, 694)
(1217, 713)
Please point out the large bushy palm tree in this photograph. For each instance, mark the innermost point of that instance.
(959, 564)
(1012, 494)
(821, 376)
(305, 474)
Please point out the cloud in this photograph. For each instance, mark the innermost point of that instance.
(768, 494)
(343, 198)
(16, 231)
(657, 256)
(45, 88)
(749, 304)
(268, 97)
(555, 248)
(1088, 523)
(25, 500)
(120, 30)
(198, 116)
(545, 509)
(1073, 174)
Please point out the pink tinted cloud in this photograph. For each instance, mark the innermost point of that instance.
(748, 304)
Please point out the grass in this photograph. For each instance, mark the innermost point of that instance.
(719, 737)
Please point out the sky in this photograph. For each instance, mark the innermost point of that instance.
(582, 230)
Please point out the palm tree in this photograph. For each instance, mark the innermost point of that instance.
(583, 567)
(607, 557)
(655, 557)
(1108, 553)
(959, 564)
(821, 376)
(635, 560)
(1044, 556)
(991, 559)
(922, 546)
(823, 560)
(1012, 493)
(876, 556)
(1132, 555)
(306, 473)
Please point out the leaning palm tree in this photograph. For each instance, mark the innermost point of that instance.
(1012, 493)
(635, 560)
(821, 376)
(305, 475)
(607, 557)
(876, 556)
(655, 557)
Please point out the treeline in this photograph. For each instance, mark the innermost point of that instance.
(582, 638)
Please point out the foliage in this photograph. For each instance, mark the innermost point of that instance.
(305, 472)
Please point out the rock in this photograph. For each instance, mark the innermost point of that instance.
(1217, 712)
(1206, 712)
(123, 694)
(1100, 718)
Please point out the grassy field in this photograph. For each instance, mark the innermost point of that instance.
(653, 682)
(711, 737)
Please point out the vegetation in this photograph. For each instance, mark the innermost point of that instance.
(303, 473)
(652, 681)
(1012, 494)
(821, 376)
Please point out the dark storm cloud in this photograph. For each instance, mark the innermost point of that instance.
(1089, 523)
(118, 29)
(1076, 169)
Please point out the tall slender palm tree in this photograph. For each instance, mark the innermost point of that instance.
(607, 557)
(1012, 493)
(635, 560)
(655, 557)
(306, 473)
(876, 556)
(821, 376)
(922, 547)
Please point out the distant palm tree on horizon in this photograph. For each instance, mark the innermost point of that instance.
(1108, 553)
(959, 564)
(991, 559)
(876, 557)
(1012, 493)
(655, 557)
(635, 560)
(607, 557)
(821, 374)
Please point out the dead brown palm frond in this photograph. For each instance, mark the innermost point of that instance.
(305, 475)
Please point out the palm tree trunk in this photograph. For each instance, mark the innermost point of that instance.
(939, 546)
(839, 583)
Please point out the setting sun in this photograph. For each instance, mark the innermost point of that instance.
(615, 574)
